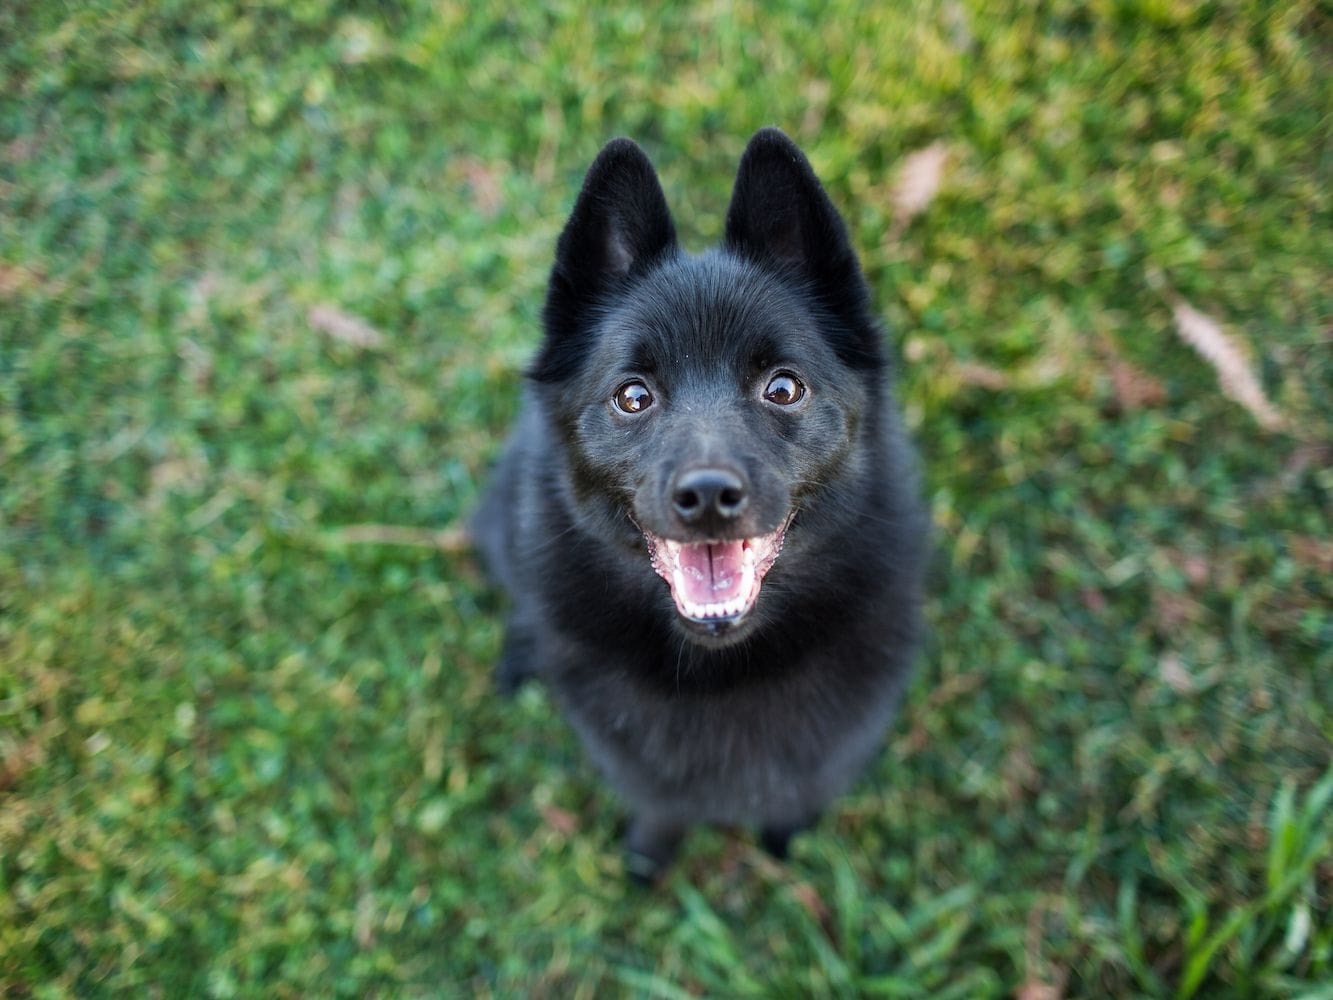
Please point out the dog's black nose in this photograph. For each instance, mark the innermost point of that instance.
(708, 494)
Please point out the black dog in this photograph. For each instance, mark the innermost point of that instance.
(708, 517)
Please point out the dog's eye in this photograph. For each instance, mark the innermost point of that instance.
(784, 389)
(633, 397)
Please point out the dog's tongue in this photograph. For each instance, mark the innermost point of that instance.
(712, 571)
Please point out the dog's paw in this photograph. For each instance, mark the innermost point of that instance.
(776, 839)
(643, 870)
(650, 847)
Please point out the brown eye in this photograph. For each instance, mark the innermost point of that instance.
(633, 397)
(784, 389)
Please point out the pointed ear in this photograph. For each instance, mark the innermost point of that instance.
(619, 228)
(781, 218)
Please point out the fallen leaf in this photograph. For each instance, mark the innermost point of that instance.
(1019, 773)
(1174, 673)
(975, 373)
(18, 760)
(1196, 568)
(1223, 352)
(1034, 989)
(1135, 389)
(562, 821)
(918, 182)
(344, 327)
(1173, 610)
(484, 181)
(181, 473)
(16, 279)
(1093, 600)
(1179, 679)
(1309, 550)
(364, 926)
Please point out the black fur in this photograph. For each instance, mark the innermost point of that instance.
(764, 721)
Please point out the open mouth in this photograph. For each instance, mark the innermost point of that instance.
(714, 582)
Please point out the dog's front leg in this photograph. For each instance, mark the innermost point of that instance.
(650, 846)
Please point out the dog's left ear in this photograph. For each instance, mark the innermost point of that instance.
(781, 218)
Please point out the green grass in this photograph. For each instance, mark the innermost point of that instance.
(244, 754)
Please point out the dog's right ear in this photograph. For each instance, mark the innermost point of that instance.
(620, 226)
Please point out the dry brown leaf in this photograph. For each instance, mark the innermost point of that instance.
(1177, 678)
(17, 761)
(1173, 610)
(1181, 680)
(15, 279)
(1223, 352)
(1034, 989)
(1019, 773)
(1135, 389)
(484, 181)
(364, 926)
(918, 183)
(182, 472)
(975, 373)
(1309, 550)
(1093, 600)
(21, 149)
(562, 821)
(344, 327)
(1195, 566)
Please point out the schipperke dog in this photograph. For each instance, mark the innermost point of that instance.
(708, 517)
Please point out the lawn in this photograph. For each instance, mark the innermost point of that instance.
(269, 275)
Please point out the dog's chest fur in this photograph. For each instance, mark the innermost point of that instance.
(770, 752)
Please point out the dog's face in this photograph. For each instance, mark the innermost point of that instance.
(705, 404)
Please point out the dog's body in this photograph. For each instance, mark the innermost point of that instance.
(708, 516)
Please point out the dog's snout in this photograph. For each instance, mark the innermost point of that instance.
(708, 495)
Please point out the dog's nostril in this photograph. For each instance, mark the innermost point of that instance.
(708, 493)
(687, 501)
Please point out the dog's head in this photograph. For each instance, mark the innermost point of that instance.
(709, 406)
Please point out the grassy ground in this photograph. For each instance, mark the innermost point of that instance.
(267, 276)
